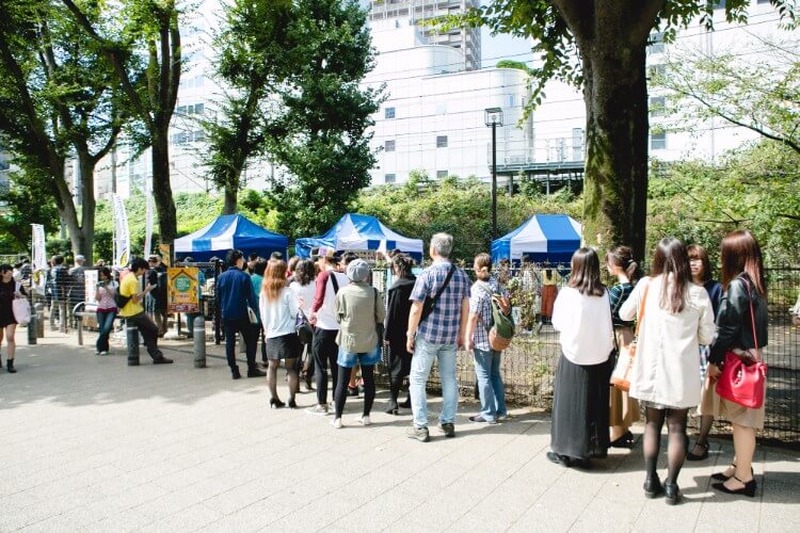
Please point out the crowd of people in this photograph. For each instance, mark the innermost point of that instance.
(680, 321)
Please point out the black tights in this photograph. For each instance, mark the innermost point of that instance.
(272, 378)
(367, 374)
(676, 451)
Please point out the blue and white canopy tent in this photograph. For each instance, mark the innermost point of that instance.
(552, 238)
(227, 232)
(360, 233)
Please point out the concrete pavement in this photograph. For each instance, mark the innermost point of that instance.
(90, 444)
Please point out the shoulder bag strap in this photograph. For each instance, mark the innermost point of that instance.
(446, 281)
(752, 320)
(335, 283)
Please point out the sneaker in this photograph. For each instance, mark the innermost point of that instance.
(103, 353)
(318, 410)
(478, 419)
(504, 418)
(161, 360)
(421, 434)
(255, 373)
(449, 429)
(365, 421)
(337, 423)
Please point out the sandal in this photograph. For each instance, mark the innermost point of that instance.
(625, 441)
(691, 456)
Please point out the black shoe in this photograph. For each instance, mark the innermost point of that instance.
(449, 430)
(235, 374)
(292, 404)
(352, 392)
(275, 403)
(625, 441)
(748, 490)
(10, 366)
(719, 476)
(672, 493)
(562, 460)
(161, 360)
(406, 404)
(255, 373)
(698, 457)
(653, 487)
(392, 409)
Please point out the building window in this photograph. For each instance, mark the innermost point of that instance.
(656, 43)
(388, 112)
(657, 105)
(389, 178)
(441, 141)
(658, 140)
(656, 72)
(389, 146)
(720, 4)
(441, 174)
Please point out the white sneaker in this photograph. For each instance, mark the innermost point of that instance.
(365, 421)
(337, 423)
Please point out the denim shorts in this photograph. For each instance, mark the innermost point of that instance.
(351, 359)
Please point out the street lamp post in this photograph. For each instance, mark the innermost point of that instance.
(493, 117)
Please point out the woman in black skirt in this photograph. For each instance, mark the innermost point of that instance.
(582, 316)
(8, 324)
(397, 310)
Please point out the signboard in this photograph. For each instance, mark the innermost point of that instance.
(90, 286)
(183, 291)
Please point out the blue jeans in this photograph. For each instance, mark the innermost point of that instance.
(424, 354)
(490, 384)
(105, 323)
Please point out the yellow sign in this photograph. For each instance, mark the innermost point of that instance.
(183, 291)
(166, 254)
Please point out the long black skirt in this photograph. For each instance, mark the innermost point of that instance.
(580, 409)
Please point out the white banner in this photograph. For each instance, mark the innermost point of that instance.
(122, 237)
(148, 226)
(39, 258)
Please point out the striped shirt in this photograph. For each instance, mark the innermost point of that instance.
(441, 326)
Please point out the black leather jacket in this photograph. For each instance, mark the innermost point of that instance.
(734, 329)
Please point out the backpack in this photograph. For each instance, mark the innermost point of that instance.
(501, 330)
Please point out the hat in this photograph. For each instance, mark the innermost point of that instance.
(153, 257)
(358, 270)
(79, 257)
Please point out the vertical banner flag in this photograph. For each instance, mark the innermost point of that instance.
(122, 237)
(148, 226)
(39, 258)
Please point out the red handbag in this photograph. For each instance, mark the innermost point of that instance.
(740, 382)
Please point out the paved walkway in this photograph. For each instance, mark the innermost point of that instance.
(90, 444)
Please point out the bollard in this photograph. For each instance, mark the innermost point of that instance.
(33, 327)
(39, 309)
(199, 333)
(133, 346)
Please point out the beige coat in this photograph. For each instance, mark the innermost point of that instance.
(667, 365)
(358, 311)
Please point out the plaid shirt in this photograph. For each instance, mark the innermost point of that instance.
(441, 326)
(480, 303)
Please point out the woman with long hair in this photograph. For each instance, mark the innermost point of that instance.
(623, 410)
(106, 308)
(9, 290)
(491, 389)
(278, 311)
(700, 267)
(582, 316)
(677, 318)
(744, 290)
(397, 308)
(303, 285)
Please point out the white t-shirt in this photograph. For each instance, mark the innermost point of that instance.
(326, 319)
(585, 326)
(306, 293)
(278, 317)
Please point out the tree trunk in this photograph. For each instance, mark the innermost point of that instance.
(615, 184)
(162, 190)
(230, 206)
(83, 242)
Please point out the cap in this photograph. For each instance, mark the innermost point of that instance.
(358, 270)
(79, 257)
(153, 257)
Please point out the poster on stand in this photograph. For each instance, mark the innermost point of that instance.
(183, 291)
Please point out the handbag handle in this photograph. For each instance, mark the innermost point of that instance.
(640, 314)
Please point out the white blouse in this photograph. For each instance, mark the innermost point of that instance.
(585, 326)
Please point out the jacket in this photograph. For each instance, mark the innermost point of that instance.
(397, 309)
(734, 329)
(234, 291)
(358, 308)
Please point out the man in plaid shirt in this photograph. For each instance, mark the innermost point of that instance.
(437, 336)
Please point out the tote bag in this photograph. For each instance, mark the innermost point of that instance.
(621, 376)
(21, 308)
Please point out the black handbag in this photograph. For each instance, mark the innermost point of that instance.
(303, 328)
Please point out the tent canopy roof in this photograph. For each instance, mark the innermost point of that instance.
(227, 232)
(360, 232)
(551, 238)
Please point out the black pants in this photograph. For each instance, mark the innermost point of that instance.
(325, 352)
(249, 333)
(149, 332)
(367, 373)
(399, 368)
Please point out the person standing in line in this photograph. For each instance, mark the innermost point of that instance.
(133, 311)
(106, 309)
(677, 319)
(235, 293)
(397, 310)
(700, 267)
(550, 280)
(437, 335)
(9, 290)
(59, 281)
(77, 284)
(742, 312)
(303, 286)
(328, 283)
(582, 316)
(257, 279)
(487, 361)
(157, 276)
(358, 308)
(278, 311)
(623, 410)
